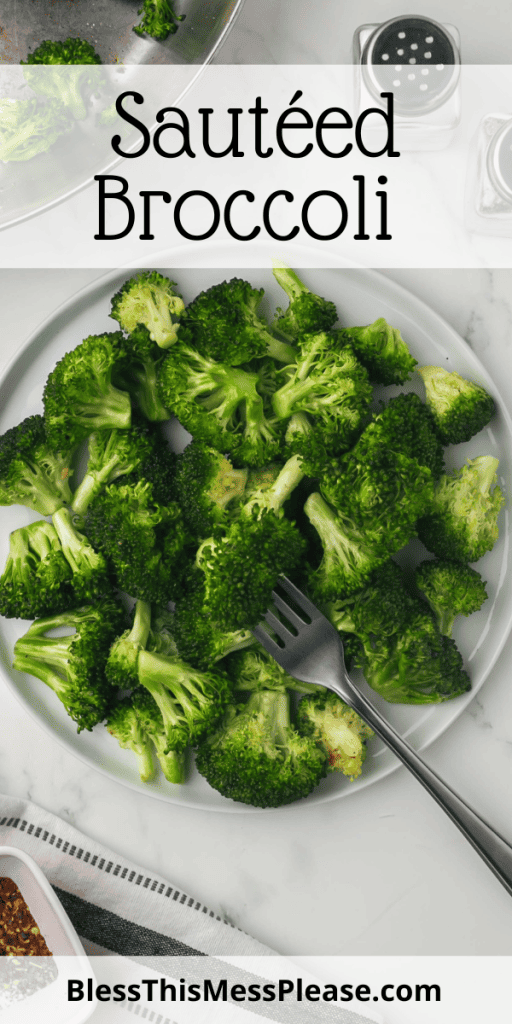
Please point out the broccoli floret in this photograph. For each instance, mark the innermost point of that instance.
(206, 484)
(123, 722)
(253, 669)
(159, 19)
(405, 425)
(79, 396)
(459, 407)
(172, 762)
(199, 639)
(121, 667)
(72, 85)
(138, 374)
(417, 665)
(350, 554)
(71, 51)
(462, 523)
(329, 384)
(451, 589)
(74, 665)
(90, 577)
(149, 299)
(257, 757)
(143, 541)
(380, 491)
(112, 454)
(338, 730)
(37, 578)
(31, 473)
(243, 563)
(28, 127)
(307, 313)
(219, 405)
(383, 607)
(382, 350)
(223, 323)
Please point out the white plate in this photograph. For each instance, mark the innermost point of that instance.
(361, 297)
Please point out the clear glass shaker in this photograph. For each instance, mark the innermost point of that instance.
(488, 202)
(418, 60)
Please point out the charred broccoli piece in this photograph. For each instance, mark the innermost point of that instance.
(31, 473)
(459, 407)
(451, 589)
(257, 757)
(382, 350)
(307, 313)
(338, 730)
(79, 396)
(74, 665)
(462, 522)
(149, 300)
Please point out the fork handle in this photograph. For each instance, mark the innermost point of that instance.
(493, 849)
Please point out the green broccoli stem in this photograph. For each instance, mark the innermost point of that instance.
(75, 546)
(172, 763)
(145, 764)
(274, 706)
(45, 491)
(290, 282)
(157, 672)
(274, 497)
(141, 626)
(298, 424)
(92, 483)
(25, 662)
(146, 393)
(280, 350)
(486, 467)
(300, 385)
(336, 542)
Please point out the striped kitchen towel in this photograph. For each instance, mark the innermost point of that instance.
(125, 916)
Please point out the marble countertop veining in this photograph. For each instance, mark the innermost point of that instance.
(302, 32)
(381, 872)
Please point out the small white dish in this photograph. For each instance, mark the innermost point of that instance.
(50, 1002)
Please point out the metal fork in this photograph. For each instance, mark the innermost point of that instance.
(314, 654)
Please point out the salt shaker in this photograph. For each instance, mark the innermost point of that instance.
(418, 60)
(488, 201)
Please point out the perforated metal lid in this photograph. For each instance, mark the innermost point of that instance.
(499, 161)
(414, 58)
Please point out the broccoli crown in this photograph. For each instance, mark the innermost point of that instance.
(149, 299)
(243, 566)
(307, 313)
(37, 578)
(415, 666)
(219, 405)
(331, 385)
(71, 51)
(381, 608)
(142, 540)
(349, 555)
(462, 523)
(338, 730)
(384, 491)
(406, 425)
(451, 589)
(74, 665)
(90, 577)
(159, 19)
(28, 127)
(172, 762)
(31, 473)
(124, 723)
(459, 407)
(257, 757)
(206, 484)
(382, 350)
(79, 396)
(66, 83)
(223, 323)
(199, 639)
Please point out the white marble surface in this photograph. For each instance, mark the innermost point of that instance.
(382, 872)
(302, 32)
